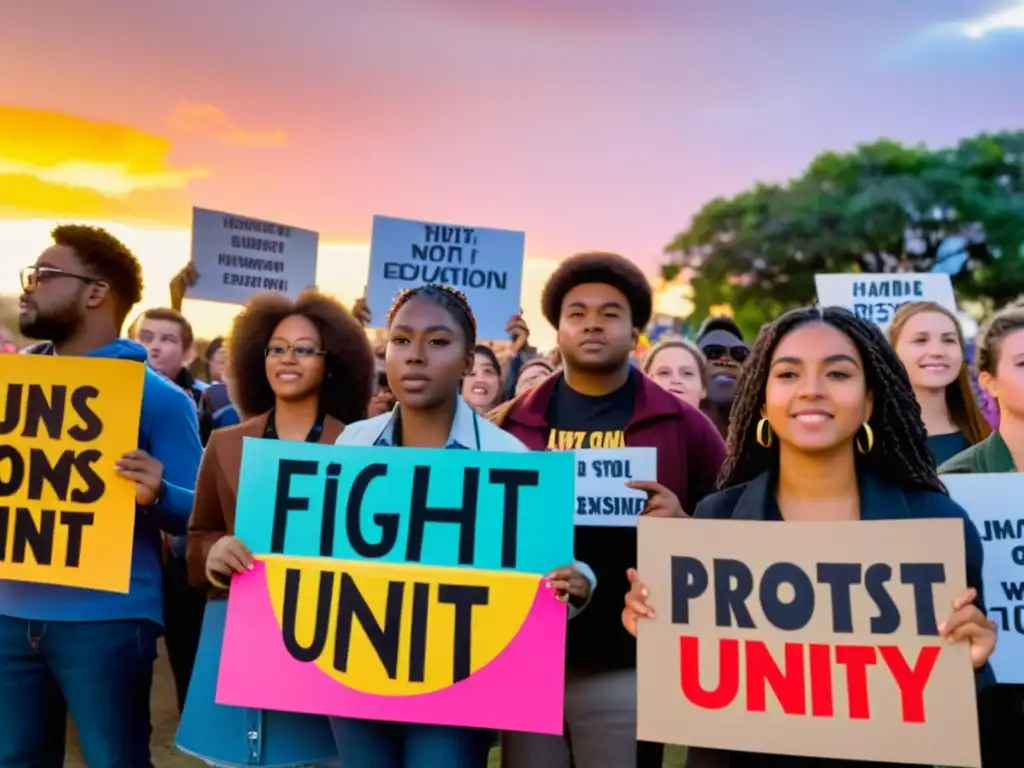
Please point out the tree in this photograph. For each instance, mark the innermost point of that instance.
(884, 207)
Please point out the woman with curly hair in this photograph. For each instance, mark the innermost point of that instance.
(928, 340)
(298, 370)
(825, 428)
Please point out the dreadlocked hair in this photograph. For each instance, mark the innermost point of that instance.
(446, 297)
(900, 453)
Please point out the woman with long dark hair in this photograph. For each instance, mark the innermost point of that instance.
(298, 370)
(825, 428)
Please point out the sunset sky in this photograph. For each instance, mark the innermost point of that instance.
(587, 123)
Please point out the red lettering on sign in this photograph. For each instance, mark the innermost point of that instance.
(788, 682)
(911, 682)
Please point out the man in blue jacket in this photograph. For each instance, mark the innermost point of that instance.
(81, 651)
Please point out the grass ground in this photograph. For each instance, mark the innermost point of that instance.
(165, 722)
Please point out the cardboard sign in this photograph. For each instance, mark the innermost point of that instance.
(877, 297)
(1001, 526)
(66, 517)
(236, 257)
(602, 497)
(816, 639)
(485, 264)
(403, 585)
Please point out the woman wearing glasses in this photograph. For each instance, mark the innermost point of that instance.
(297, 371)
(721, 341)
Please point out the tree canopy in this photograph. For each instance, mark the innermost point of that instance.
(883, 207)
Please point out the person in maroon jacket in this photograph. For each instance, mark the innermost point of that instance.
(599, 302)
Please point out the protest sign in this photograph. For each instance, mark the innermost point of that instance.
(602, 497)
(876, 297)
(1001, 525)
(485, 264)
(236, 257)
(403, 585)
(815, 639)
(66, 517)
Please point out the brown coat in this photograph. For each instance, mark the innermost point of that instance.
(213, 511)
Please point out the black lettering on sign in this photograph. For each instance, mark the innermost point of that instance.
(325, 594)
(463, 516)
(284, 502)
(787, 597)
(374, 547)
(24, 535)
(455, 276)
(464, 598)
(40, 409)
(614, 468)
(384, 635)
(386, 521)
(610, 506)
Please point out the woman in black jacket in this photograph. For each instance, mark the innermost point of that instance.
(825, 427)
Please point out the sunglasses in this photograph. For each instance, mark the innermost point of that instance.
(738, 352)
(32, 276)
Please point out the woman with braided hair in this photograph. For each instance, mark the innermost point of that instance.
(430, 348)
(825, 427)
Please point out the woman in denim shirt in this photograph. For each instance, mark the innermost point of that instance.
(431, 336)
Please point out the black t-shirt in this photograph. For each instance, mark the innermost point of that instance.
(596, 638)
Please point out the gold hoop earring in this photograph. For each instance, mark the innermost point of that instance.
(763, 433)
(869, 439)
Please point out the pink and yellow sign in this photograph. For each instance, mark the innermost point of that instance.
(423, 602)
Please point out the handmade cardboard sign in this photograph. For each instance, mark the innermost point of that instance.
(401, 584)
(815, 639)
(66, 516)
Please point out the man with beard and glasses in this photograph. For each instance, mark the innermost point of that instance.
(598, 302)
(721, 341)
(80, 651)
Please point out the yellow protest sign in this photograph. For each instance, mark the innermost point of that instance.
(396, 630)
(66, 516)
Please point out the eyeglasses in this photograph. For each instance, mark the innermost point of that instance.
(301, 350)
(738, 352)
(32, 276)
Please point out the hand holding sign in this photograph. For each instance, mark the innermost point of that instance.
(180, 283)
(227, 556)
(967, 622)
(568, 583)
(661, 502)
(361, 312)
(518, 331)
(636, 603)
(146, 472)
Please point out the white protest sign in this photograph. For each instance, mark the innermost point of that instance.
(877, 297)
(602, 497)
(995, 503)
(485, 264)
(236, 257)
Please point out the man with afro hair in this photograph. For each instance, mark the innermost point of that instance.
(598, 302)
(721, 341)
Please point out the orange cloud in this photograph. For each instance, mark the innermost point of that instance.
(212, 122)
(55, 163)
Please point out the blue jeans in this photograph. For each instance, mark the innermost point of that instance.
(376, 744)
(101, 672)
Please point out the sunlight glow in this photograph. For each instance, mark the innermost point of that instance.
(112, 179)
(341, 271)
